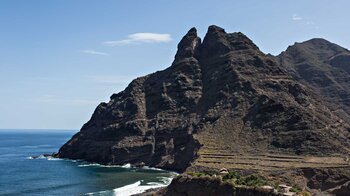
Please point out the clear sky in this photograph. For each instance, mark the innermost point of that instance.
(59, 59)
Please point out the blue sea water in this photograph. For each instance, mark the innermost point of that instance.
(20, 174)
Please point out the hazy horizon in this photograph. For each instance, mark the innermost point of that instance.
(37, 130)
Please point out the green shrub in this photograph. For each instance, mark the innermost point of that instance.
(196, 174)
(231, 175)
(251, 180)
(296, 188)
(211, 173)
(201, 174)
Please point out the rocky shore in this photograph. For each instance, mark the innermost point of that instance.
(198, 186)
(303, 182)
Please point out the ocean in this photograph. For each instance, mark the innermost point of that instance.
(21, 174)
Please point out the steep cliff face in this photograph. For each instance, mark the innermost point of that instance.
(150, 122)
(222, 93)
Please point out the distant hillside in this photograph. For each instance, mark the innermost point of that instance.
(323, 67)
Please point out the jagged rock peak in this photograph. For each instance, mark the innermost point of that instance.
(233, 38)
(213, 29)
(241, 41)
(218, 42)
(188, 46)
(192, 32)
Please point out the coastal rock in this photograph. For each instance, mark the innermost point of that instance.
(185, 185)
(222, 94)
(342, 190)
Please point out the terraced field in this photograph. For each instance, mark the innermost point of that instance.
(268, 162)
(249, 150)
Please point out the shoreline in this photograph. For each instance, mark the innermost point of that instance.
(134, 188)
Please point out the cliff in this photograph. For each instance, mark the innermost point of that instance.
(220, 102)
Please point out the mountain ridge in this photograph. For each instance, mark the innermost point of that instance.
(222, 95)
(324, 67)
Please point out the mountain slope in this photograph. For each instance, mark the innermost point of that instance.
(222, 95)
(324, 67)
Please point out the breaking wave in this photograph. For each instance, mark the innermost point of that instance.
(130, 189)
(49, 158)
(128, 166)
(134, 188)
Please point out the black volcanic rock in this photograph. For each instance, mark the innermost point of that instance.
(187, 185)
(188, 46)
(222, 94)
(218, 42)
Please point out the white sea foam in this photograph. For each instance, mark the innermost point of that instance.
(128, 165)
(131, 189)
(137, 188)
(40, 157)
(152, 168)
(28, 146)
(154, 183)
(89, 165)
(99, 165)
(50, 158)
(99, 192)
(165, 180)
(127, 189)
(134, 188)
(85, 164)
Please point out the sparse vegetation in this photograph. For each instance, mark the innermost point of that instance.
(253, 180)
(202, 174)
(304, 193)
(296, 188)
(196, 174)
(231, 175)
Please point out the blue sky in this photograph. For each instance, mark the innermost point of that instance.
(59, 59)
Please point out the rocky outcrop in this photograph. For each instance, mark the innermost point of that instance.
(342, 190)
(220, 93)
(330, 180)
(186, 185)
